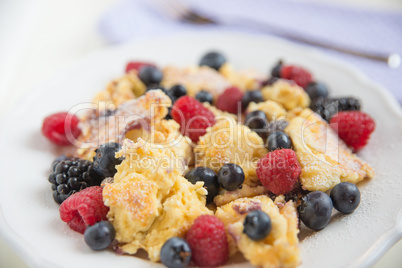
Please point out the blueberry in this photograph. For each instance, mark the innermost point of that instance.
(100, 235)
(272, 80)
(276, 71)
(208, 176)
(315, 210)
(345, 197)
(150, 75)
(258, 122)
(257, 225)
(251, 96)
(204, 96)
(328, 107)
(231, 177)
(214, 60)
(169, 114)
(176, 253)
(279, 140)
(317, 89)
(178, 91)
(105, 161)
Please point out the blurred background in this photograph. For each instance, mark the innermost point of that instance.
(38, 38)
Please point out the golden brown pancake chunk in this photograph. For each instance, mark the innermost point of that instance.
(149, 200)
(100, 127)
(287, 94)
(280, 248)
(324, 158)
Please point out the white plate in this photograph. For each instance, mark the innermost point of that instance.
(29, 217)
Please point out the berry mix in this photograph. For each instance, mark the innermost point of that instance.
(254, 155)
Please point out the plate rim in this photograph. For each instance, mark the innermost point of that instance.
(372, 254)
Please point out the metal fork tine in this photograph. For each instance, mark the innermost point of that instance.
(189, 15)
(167, 9)
(179, 6)
(179, 11)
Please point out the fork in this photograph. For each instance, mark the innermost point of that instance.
(178, 11)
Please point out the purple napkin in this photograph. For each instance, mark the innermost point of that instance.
(364, 30)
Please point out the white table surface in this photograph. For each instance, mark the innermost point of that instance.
(40, 37)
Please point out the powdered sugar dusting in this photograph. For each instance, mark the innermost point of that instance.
(133, 114)
(376, 214)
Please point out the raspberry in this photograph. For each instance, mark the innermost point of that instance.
(230, 100)
(353, 127)
(208, 242)
(136, 65)
(59, 127)
(279, 171)
(193, 117)
(84, 208)
(301, 76)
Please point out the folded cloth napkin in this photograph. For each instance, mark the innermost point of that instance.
(364, 30)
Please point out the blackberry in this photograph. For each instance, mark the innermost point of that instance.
(295, 194)
(71, 175)
(327, 108)
(272, 80)
(58, 160)
(276, 70)
(277, 125)
(105, 161)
